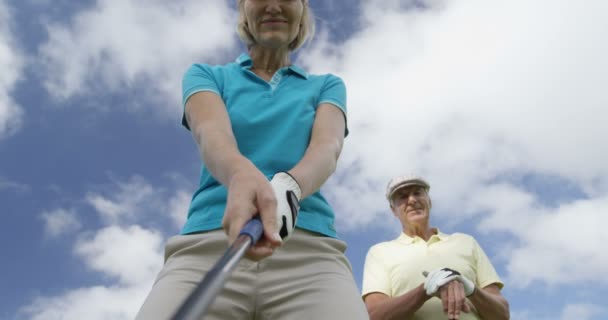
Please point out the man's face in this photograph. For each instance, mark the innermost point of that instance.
(411, 205)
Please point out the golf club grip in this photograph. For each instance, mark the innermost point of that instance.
(195, 306)
(254, 229)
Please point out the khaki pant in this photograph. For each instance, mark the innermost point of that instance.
(309, 277)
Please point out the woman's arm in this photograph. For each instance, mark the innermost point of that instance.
(210, 126)
(249, 192)
(321, 156)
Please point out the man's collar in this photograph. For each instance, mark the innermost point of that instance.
(244, 60)
(404, 238)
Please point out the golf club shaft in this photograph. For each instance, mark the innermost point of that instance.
(203, 295)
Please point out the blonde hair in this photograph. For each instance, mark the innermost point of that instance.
(307, 27)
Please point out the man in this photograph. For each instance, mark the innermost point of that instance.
(427, 274)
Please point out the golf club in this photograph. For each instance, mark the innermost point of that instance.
(195, 306)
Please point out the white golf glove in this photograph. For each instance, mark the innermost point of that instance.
(438, 278)
(288, 193)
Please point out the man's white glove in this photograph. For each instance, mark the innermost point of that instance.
(288, 193)
(438, 278)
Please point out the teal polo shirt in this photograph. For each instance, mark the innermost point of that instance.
(272, 123)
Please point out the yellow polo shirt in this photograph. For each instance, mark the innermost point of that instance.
(395, 267)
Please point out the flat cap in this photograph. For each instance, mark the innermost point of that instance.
(405, 181)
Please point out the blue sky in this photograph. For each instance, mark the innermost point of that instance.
(500, 104)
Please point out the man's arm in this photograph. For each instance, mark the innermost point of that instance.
(490, 303)
(382, 307)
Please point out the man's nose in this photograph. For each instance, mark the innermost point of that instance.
(411, 198)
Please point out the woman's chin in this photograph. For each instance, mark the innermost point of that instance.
(273, 41)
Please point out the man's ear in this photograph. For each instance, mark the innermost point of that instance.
(393, 209)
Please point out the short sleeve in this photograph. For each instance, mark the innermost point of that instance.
(375, 275)
(486, 274)
(334, 92)
(199, 77)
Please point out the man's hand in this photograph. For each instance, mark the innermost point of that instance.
(452, 288)
(287, 192)
(453, 299)
(438, 278)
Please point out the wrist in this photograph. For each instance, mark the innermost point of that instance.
(421, 292)
(472, 292)
(469, 286)
(290, 181)
(240, 165)
(287, 192)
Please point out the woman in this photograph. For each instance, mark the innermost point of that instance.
(256, 119)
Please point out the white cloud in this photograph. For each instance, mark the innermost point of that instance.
(132, 255)
(11, 64)
(135, 200)
(542, 256)
(127, 202)
(470, 93)
(95, 303)
(582, 312)
(463, 92)
(6, 184)
(118, 46)
(122, 252)
(545, 236)
(178, 207)
(60, 221)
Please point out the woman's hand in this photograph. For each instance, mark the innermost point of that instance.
(288, 193)
(250, 194)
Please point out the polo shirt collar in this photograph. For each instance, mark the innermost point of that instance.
(407, 239)
(244, 60)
